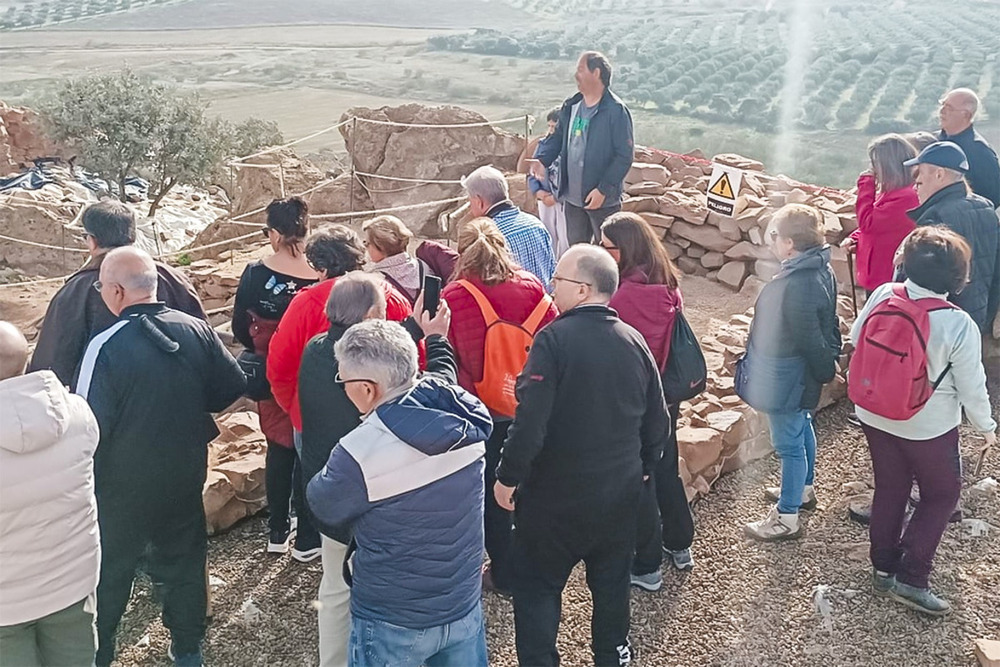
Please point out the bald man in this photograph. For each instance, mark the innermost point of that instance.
(577, 456)
(49, 544)
(958, 109)
(153, 378)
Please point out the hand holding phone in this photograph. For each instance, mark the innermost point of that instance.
(431, 294)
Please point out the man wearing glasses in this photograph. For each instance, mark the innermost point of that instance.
(76, 313)
(590, 426)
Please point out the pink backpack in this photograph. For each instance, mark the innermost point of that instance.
(888, 371)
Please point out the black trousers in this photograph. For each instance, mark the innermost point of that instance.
(583, 225)
(497, 522)
(664, 518)
(285, 489)
(174, 531)
(548, 543)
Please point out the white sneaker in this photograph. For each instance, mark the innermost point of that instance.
(773, 493)
(774, 527)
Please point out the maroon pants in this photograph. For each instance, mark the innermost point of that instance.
(936, 466)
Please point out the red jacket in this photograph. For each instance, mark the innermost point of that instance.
(650, 309)
(882, 226)
(305, 318)
(513, 300)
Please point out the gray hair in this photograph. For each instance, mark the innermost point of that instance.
(953, 174)
(133, 269)
(380, 351)
(487, 182)
(969, 100)
(353, 296)
(596, 267)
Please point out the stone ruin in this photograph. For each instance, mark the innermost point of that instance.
(717, 432)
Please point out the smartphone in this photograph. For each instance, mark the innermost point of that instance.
(432, 294)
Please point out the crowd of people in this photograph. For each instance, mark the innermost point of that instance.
(430, 449)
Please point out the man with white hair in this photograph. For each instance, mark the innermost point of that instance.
(577, 456)
(528, 240)
(153, 378)
(49, 544)
(957, 112)
(408, 483)
(945, 200)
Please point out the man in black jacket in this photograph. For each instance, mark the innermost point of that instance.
(76, 313)
(152, 379)
(958, 110)
(945, 200)
(590, 426)
(593, 139)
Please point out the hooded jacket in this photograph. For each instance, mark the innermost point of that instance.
(974, 218)
(50, 548)
(76, 314)
(609, 151)
(651, 309)
(153, 379)
(796, 316)
(409, 482)
(883, 223)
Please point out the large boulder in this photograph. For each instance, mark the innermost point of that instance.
(22, 139)
(423, 153)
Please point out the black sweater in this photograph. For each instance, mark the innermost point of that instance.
(984, 168)
(796, 316)
(591, 415)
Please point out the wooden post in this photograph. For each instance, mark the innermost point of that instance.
(281, 178)
(354, 139)
(232, 188)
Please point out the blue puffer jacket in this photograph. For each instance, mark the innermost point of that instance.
(409, 482)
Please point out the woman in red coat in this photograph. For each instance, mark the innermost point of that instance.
(486, 269)
(649, 298)
(885, 194)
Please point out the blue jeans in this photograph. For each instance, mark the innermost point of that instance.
(794, 442)
(461, 643)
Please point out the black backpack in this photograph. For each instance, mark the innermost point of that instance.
(685, 373)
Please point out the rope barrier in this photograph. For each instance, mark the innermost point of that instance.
(391, 209)
(42, 245)
(290, 143)
(184, 251)
(442, 127)
(27, 283)
(411, 180)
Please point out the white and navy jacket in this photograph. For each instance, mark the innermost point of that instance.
(409, 482)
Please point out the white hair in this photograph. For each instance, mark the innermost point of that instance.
(969, 100)
(596, 267)
(487, 182)
(133, 269)
(380, 351)
(353, 296)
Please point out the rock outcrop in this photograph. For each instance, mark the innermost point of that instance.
(22, 139)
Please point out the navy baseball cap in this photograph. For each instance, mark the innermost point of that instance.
(945, 154)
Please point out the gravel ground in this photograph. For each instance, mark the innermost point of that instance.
(743, 604)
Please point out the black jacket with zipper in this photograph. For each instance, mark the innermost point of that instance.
(153, 378)
(796, 316)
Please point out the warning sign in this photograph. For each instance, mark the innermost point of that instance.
(723, 188)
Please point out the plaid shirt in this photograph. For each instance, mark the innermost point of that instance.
(527, 238)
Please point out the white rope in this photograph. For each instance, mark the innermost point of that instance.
(184, 251)
(291, 143)
(239, 219)
(26, 283)
(392, 209)
(410, 180)
(484, 123)
(42, 245)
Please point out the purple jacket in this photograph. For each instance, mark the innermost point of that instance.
(650, 309)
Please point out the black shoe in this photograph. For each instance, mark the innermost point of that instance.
(860, 511)
(853, 420)
(278, 541)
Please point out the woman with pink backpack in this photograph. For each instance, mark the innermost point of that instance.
(917, 364)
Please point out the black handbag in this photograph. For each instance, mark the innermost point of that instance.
(255, 369)
(685, 373)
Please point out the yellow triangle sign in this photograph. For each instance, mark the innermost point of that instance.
(722, 188)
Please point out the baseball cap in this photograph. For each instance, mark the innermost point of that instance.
(945, 154)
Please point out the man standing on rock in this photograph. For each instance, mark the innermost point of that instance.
(577, 459)
(76, 313)
(527, 239)
(593, 140)
(152, 379)
(958, 110)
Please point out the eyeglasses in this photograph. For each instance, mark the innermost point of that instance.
(556, 279)
(609, 247)
(340, 380)
(266, 231)
(98, 285)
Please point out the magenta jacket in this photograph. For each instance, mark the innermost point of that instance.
(650, 309)
(882, 226)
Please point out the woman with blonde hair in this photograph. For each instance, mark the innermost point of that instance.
(489, 285)
(386, 239)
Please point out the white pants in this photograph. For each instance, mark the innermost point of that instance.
(554, 219)
(334, 606)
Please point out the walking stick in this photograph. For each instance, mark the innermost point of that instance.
(854, 288)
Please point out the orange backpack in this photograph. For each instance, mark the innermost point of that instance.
(505, 352)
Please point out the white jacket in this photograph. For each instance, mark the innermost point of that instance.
(50, 551)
